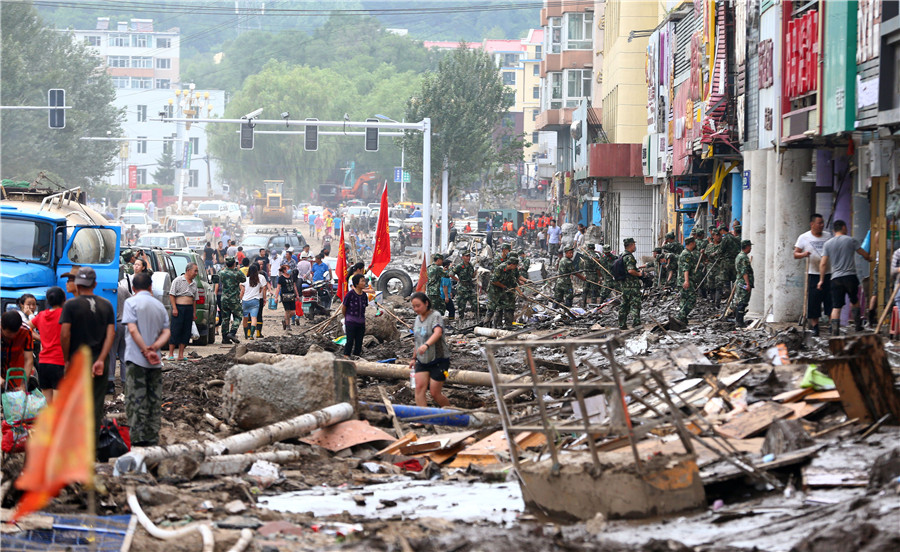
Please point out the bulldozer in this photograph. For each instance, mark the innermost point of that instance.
(270, 206)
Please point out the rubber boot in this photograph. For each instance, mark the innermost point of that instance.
(738, 318)
(815, 330)
(259, 334)
(284, 325)
(510, 316)
(854, 313)
(835, 327)
(248, 332)
(717, 299)
(233, 337)
(225, 339)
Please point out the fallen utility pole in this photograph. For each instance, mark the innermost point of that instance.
(242, 442)
(376, 369)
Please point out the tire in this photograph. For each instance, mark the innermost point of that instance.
(395, 282)
(204, 337)
(211, 336)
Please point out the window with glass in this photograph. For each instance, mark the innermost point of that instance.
(142, 177)
(538, 51)
(578, 85)
(141, 40)
(142, 144)
(92, 40)
(163, 42)
(163, 63)
(142, 82)
(554, 35)
(25, 240)
(510, 97)
(194, 181)
(534, 114)
(163, 83)
(509, 78)
(117, 61)
(509, 60)
(579, 29)
(556, 91)
(119, 40)
(195, 145)
(536, 70)
(140, 62)
(142, 113)
(536, 92)
(121, 82)
(534, 137)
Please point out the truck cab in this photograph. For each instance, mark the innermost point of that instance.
(41, 241)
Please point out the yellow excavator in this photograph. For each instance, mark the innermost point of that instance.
(270, 206)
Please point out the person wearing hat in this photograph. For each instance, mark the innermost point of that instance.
(687, 279)
(744, 283)
(609, 284)
(230, 280)
(731, 246)
(524, 265)
(563, 292)
(128, 261)
(501, 257)
(630, 287)
(433, 288)
(501, 293)
(89, 320)
(700, 237)
(463, 274)
(672, 249)
(717, 276)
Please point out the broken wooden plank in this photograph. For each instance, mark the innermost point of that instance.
(793, 395)
(870, 373)
(394, 448)
(488, 450)
(814, 476)
(346, 434)
(824, 396)
(803, 409)
(754, 420)
(443, 441)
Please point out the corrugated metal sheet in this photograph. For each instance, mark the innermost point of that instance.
(684, 29)
(611, 160)
(635, 215)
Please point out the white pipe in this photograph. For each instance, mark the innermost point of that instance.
(243, 542)
(166, 534)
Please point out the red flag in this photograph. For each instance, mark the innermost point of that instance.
(60, 450)
(423, 277)
(381, 255)
(342, 268)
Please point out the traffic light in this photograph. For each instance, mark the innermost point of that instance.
(371, 136)
(311, 141)
(56, 97)
(247, 136)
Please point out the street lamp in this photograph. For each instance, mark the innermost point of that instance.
(189, 103)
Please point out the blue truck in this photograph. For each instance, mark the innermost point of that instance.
(45, 235)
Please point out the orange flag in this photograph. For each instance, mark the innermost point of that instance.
(342, 268)
(423, 276)
(381, 255)
(60, 450)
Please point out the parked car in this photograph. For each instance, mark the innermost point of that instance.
(165, 240)
(276, 241)
(206, 301)
(219, 210)
(141, 222)
(193, 229)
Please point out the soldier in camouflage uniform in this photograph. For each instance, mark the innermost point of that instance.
(744, 283)
(591, 264)
(230, 280)
(608, 284)
(502, 256)
(524, 264)
(700, 238)
(731, 247)
(501, 292)
(128, 262)
(464, 276)
(687, 279)
(563, 292)
(716, 275)
(433, 289)
(630, 287)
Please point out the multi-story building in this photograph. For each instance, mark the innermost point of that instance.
(145, 68)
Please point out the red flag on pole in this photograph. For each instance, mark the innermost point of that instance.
(342, 268)
(381, 255)
(60, 450)
(423, 276)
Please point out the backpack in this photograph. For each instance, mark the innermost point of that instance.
(618, 269)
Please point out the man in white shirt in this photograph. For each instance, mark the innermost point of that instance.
(810, 246)
(554, 233)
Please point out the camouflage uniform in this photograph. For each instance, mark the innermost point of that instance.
(717, 277)
(672, 250)
(126, 260)
(501, 299)
(230, 280)
(591, 266)
(687, 260)
(731, 246)
(433, 288)
(563, 292)
(143, 387)
(631, 294)
(465, 290)
(741, 295)
(606, 261)
(701, 271)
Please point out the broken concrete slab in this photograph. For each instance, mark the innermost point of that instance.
(261, 394)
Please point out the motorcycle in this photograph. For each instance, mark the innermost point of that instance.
(316, 299)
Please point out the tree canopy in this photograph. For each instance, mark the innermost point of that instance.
(466, 101)
(36, 59)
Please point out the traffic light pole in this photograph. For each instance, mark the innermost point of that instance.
(424, 127)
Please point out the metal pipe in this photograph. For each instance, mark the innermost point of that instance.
(426, 187)
(436, 416)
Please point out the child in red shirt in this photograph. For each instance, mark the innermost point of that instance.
(51, 364)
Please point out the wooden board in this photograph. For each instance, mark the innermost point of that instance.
(803, 409)
(793, 395)
(488, 450)
(814, 476)
(346, 434)
(825, 396)
(432, 443)
(394, 448)
(754, 421)
(851, 398)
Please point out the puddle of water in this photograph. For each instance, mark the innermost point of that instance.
(478, 501)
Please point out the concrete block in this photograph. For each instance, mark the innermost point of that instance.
(262, 394)
(383, 326)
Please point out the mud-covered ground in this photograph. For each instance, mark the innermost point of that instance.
(748, 516)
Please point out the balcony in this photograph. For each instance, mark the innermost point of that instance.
(568, 59)
(557, 9)
(614, 160)
(554, 119)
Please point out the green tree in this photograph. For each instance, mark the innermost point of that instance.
(165, 174)
(35, 59)
(466, 101)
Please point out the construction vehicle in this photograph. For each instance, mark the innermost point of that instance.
(367, 187)
(270, 206)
